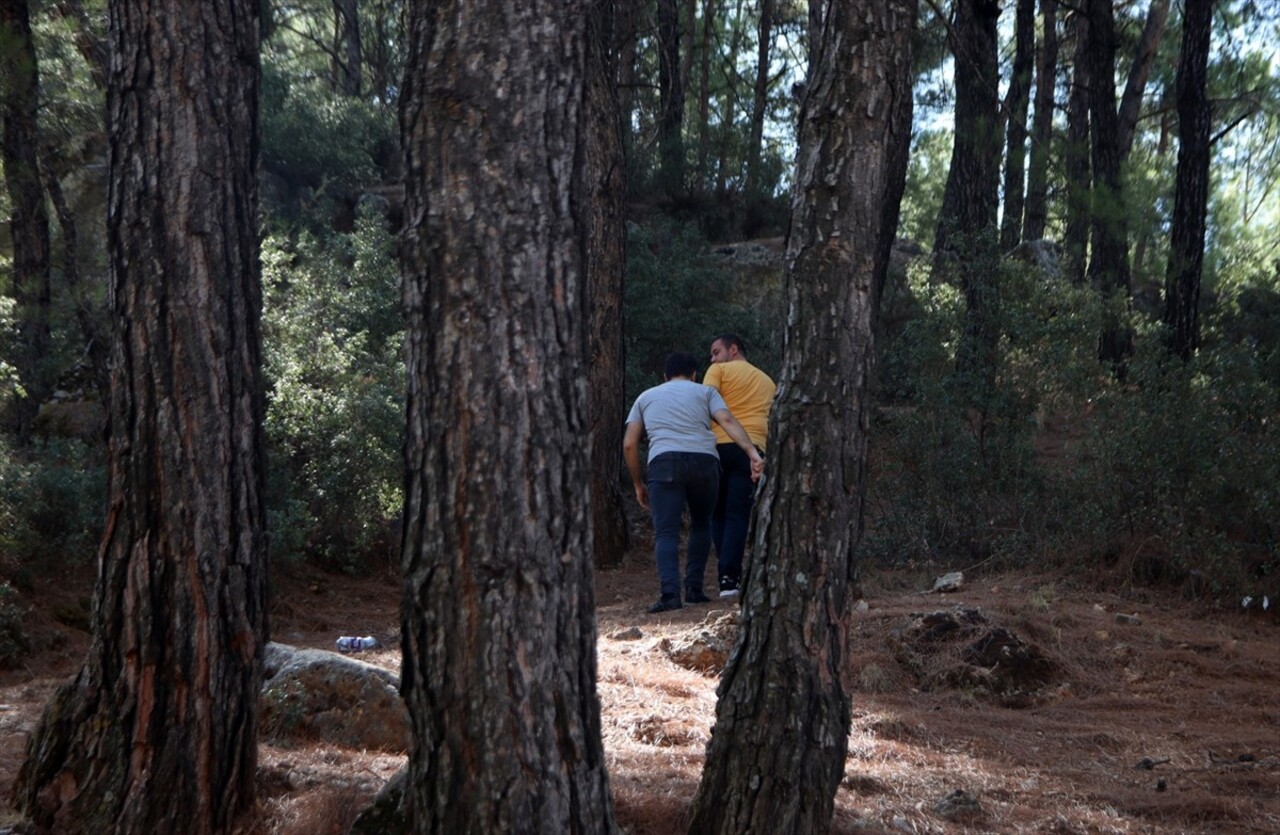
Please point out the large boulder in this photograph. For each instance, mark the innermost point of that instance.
(310, 694)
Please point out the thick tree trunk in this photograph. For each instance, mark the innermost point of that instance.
(29, 220)
(777, 750)
(498, 618)
(759, 97)
(1108, 227)
(1186, 241)
(1037, 208)
(605, 189)
(1016, 135)
(1079, 175)
(158, 733)
(670, 100)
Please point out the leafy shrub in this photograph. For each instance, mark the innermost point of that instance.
(333, 336)
(680, 296)
(13, 641)
(51, 502)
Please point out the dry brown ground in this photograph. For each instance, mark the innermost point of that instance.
(1191, 689)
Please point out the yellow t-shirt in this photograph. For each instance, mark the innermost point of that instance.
(748, 392)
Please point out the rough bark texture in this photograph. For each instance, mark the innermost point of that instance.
(348, 63)
(778, 747)
(158, 732)
(1186, 243)
(1037, 208)
(1108, 226)
(1075, 158)
(604, 189)
(498, 618)
(1024, 58)
(28, 221)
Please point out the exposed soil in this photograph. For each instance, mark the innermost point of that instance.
(1026, 702)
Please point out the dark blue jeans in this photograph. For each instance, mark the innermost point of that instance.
(677, 480)
(732, 517)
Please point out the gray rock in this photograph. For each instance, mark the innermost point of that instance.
(312, 694)
(387, 814)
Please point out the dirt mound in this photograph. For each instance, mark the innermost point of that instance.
(963, 648)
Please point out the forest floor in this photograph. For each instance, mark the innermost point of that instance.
(1122, 712)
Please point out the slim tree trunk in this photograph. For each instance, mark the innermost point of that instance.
(1016, 134)
(1186, 241)
(158, 732)
(726, 168)
(29, 220)
(604, 184)
(349, 63)
(759, 97)
(966, 239)
(1079, 175)
(670, 100)
(498, 617)
(88, 40)
(777, 750)
(1037, 208)
(1108, 228)
(1143, 61)
(709, 12)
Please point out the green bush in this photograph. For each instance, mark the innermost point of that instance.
(680, 296)
(52, 496)
(333, 337)
(13, 641)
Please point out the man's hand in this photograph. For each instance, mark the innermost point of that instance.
(642, 494)
(757, 466)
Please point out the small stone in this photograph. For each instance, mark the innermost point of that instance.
(863, 606)
(949, 582)
(632, 634)
(1128, 620)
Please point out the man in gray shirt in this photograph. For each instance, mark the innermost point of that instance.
(683, 471)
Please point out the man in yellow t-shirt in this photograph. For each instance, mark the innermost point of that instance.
(748, 392)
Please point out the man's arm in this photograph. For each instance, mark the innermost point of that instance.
(631, 451)
(734, 430)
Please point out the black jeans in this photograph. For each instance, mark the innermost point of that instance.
(732, 517)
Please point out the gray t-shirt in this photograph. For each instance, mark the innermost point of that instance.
(677, 416)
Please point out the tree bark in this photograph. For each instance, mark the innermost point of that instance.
(1079, 175)
(1143, 61)
(1016, 134)
(709, 12)
(1037, 208)
(88, 40)
(498, 618)
(759, 97)
(725, 169)
(966, 237)
(777, 750)
(347, 55)
(1108, 226)
(1186, 240)
(671, 97)
(29, 220)
(605, 189)
(158, 732)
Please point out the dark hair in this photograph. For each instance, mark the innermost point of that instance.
(731, 339)
(680, 364)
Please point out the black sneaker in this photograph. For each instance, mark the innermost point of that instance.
(666, 603)
(696, 597)
(728, 586)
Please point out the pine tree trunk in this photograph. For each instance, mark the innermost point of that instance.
(1016, 135)
(670, 100)
(1037, 208)
(29, 220)
(759, 98)
(348, 62)
(778, 747)
(1186, 240)
(158, 733)
(498, 618)
(1109, 227)
(1144, 61)
(1075, 161)
(604, 184)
